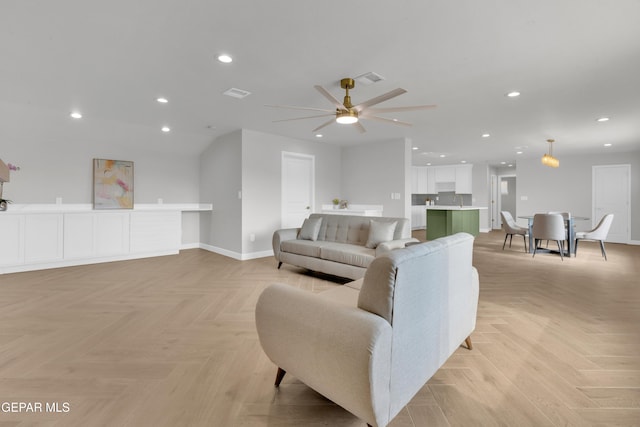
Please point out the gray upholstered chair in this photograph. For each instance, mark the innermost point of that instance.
(598, 234)
(510, 228)
(566, 216)
(371, 345)
(549, 227)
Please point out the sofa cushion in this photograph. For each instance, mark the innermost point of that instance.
(302, 247)
(380, 232)
(310, 229)
(347, 254)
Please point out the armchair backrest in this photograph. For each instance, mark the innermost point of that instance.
(602, 229)
(425, 292)
(508, 223)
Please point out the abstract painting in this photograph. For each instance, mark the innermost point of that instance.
(112, 184)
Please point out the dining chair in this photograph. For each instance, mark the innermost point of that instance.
(566, 216)
(598, 234)
(549, 227)
(510, 228)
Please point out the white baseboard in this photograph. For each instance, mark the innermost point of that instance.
(236, 255)
(190, 246)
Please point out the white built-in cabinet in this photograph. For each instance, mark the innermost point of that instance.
(36, 240)
(434, 179)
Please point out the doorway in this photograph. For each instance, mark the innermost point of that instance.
(298, 188)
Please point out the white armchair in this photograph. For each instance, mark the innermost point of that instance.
(598, 234)
(370, 350)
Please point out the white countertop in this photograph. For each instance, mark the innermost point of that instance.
(87, 207)
(454, 208)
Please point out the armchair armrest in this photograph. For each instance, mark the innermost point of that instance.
(280, 236)
(385, 247)
(340, 351)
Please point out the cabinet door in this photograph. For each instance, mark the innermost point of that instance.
(12, 247)
(464, 181)
(431, 181)
(43, 238)
(79, 235)
(112, 233)
(155, 231)
(422, 180)
(414, 180)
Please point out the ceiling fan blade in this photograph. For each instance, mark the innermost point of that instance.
(332, 99)
(302, 118)
(323, 125)
(379, 99)
(383, 120)
(359, 126)
(400, 109)
(293, 107)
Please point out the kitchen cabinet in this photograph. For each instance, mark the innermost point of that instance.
(419, 180)
(464, 180)
(418, 217)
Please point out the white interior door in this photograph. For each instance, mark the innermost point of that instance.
(611, 194)
(298, 188)
(495, 208)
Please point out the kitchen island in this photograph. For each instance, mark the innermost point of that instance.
(447, 220)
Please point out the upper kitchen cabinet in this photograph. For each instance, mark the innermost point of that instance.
(435, 179)
(464, 181)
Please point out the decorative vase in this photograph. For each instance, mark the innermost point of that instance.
(3, 205)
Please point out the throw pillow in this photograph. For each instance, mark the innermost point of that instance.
(380, 232)
(310, 229)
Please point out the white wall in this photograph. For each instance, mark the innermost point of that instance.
(372, 171)
(56, 155)
(220, 182)
(568, 188)
(261, 183)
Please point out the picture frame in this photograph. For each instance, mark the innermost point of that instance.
(112, 184)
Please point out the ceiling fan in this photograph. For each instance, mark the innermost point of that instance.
(347, 113)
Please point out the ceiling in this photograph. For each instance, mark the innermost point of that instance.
(572, 60)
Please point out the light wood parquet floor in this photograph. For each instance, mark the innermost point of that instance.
(171, 341)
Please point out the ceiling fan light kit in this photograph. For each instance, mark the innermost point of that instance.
(347, 113)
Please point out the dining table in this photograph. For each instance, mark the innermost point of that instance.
(571, 232)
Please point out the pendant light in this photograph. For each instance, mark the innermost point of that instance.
(548, 159)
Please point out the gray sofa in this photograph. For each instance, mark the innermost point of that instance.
(341, 245)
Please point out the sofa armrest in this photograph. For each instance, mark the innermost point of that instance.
(341, 351)
(385, 247)
(280, 236)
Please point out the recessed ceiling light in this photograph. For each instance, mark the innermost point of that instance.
(503, 163)
(415, 148)
(518, 152)
(162, 100)
(442, 155)
(513, 94)
(603, 119)
(485, 135)
(225, 58)
(76, 115)
(318, 135)
(608, 144)
(510, 165)
(463, 161)
(428, 164)
(166, 129)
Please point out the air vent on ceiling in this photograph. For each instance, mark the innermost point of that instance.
(369, 78)
(237, 93)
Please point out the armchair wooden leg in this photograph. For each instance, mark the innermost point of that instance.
(468, 343)
(279, 265)
(280, 376)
